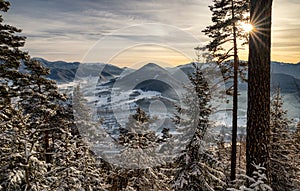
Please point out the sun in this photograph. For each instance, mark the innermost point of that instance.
(247, 27)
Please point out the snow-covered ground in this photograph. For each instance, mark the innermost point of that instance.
(114, 105)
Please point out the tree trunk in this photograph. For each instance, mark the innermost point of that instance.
(235, 99)
(258, 114)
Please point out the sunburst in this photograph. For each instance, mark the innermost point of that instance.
(260, 27)
(247, 27)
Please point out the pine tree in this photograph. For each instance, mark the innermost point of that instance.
(297, 133)
(258, 111)
(139, 169)
(296, 138)
(74, 165)
(226, 15)
(86, 126)
(20, 166)
(259, 179)
(256, 183)
(139, 139)
(52, 153)
(39, 149)
(41, 100)
(26, 138)
(197, 166)
(282, 147)
(10, 57)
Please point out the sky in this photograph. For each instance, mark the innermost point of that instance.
(129, 32)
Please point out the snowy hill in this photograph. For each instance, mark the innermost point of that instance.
(64, 72)
(118, 91)
(150, 77)
(285, 68)
(287, 83)
(61, 71)
(283, 74)
(151, 87)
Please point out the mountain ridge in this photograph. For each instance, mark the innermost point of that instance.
(64, 72)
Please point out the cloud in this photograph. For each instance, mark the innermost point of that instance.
(64, 23)
(71, 27)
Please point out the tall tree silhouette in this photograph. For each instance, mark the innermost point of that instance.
(258, 113)
(226, 15)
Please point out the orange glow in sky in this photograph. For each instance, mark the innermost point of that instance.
(67, 30)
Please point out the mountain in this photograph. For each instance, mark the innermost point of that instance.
(284, 68)
(151, 77)
(64, 72)
(287, 83)
(283, 75)
(119, 88)
(60, 71)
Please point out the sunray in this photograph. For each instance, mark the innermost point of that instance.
(259, 30)
(258, 35)
(257, 16)
(257, 40)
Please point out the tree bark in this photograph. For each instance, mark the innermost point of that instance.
(258, 113)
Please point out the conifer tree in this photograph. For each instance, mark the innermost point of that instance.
(74, 165)
(41, 100)
(36, 126)
(283, 161)
(258, 181)
(51, 152)
(197, 166)
(20, 166)
(226, 15)
(297, 133)
(139, 169)
(27, 134)
(11, 56)
(296, 138)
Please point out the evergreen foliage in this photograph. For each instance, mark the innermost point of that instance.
(226, 15)
(39, 150)
(139, 169)
(256, 183)
(11, 56)
(197, 166)
(283, 148)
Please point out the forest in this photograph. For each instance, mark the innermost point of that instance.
(43, 149)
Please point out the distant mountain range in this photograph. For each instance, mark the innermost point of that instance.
(284, 68)
(64, 72)
(151, 83)
(286, 76)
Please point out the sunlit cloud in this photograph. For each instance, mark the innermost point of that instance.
(67, 29)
